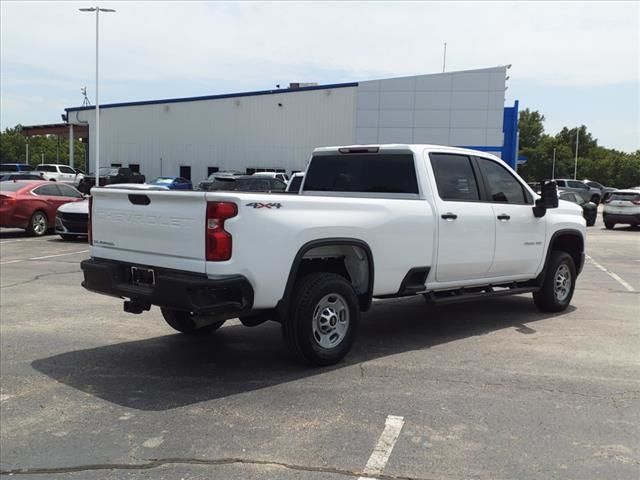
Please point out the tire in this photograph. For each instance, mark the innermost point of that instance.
(323, 318)
(591, 222)
(68, 237)
(609, 225)
(185, 322)
(595, 199)
(38, 224)
(559, 283)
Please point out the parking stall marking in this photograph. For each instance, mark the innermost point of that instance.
(44, 257)
(380, 456)
(611, 274)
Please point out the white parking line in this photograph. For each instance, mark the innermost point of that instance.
(42, 258)
(611, 274)
(382, 452)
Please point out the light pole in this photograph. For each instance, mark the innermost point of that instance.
(575, 166)
(97, 10)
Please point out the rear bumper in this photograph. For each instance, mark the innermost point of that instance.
(225, 295)
(632, 219)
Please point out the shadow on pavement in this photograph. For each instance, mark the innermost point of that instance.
(174, 370)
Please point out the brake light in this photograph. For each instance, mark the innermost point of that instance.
(89, 226)
(636, 201)
(218, 240)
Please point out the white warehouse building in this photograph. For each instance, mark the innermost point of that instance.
(278, 129)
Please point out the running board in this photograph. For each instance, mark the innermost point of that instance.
(465, 295)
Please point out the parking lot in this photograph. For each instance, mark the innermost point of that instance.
(489, 390)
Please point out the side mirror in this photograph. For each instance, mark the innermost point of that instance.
(548, 198)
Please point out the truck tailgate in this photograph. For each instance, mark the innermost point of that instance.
(159, 228)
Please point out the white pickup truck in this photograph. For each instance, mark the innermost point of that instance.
(59, 173)
(370, 222)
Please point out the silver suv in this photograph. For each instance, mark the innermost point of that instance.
(588, 194)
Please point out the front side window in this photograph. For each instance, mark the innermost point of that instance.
(47, 168)
(64, 169)
(502, 186)
(68, 191)
(363, 173)
(575, 184)
(454, 177)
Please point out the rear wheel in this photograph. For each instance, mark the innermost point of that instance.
(559, 283)
(38, 224)
(189, 323)
(609, 225)
(322, 320)
(591, 222)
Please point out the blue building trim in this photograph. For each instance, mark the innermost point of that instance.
(510, 130)
(215, 97)
(495, 148)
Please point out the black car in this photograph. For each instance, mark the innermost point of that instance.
(589, 209)
(248, 183)
(109, 176)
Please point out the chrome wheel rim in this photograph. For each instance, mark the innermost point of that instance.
(39, 224)
(562, 283)
(330, 320)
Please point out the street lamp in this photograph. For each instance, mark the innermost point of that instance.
(97, 10)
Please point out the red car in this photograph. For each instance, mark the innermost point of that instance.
(32, 204)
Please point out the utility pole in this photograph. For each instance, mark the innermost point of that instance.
(575, 166)
(97, 10)
(553, 168)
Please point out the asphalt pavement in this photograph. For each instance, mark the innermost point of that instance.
(487, 390)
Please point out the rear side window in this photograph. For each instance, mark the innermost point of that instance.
(362, 173)
(49, 190)
(454, 177)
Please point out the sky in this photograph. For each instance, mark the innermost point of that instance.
(575, 62)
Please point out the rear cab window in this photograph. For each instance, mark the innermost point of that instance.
(388, 175)
(455, 178)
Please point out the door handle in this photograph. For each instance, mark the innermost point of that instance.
(449, 216)
(504, 217)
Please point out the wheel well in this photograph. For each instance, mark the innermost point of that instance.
(572, 244)
(353, 262)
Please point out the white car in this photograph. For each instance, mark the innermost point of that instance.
(294, 184)
(279, 175)
(623, 206)
(72, 220)
(60, 173)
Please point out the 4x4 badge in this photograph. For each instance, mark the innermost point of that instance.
(264, 205)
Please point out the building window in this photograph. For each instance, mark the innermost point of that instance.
(116, 165)
(252, 170)
(211, 170)
(185, 172)
(135, 167)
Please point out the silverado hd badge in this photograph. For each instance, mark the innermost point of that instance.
(264, 205)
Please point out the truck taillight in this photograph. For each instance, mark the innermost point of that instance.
(636, 200)
(89, 226)
(218, 240)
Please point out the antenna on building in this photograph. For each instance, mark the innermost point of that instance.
(85, 101)
(444, 57)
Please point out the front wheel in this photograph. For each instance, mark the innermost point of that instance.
(189, 323)
(323, 319)
(559, 283)
(609, 225)
(38, 224)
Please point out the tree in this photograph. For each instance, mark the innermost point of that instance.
(530, 128)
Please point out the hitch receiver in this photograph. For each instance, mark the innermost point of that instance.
(136, 306)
